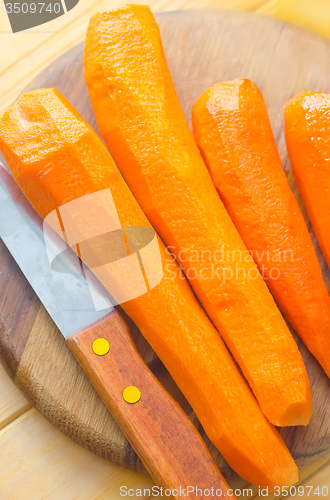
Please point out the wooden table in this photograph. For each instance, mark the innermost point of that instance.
(36, 460)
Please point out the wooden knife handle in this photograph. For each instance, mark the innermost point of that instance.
(162, 435)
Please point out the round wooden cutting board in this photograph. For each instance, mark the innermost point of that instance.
(202, 48)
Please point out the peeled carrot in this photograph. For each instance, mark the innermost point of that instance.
(55, 157)
(233, 132)
(140, 119)
(307, 132)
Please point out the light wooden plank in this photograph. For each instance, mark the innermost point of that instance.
(28, 53)
(315, 486)
(311, 14)
(36, 460)
(39, 462)
(304, 479)
(12, 401)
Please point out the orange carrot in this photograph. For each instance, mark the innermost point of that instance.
(55, 157)
(307, 126)
(140, 118)
(233, 132)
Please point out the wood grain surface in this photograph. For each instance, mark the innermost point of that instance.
(164, 438)
(202, 48)
(29, 52)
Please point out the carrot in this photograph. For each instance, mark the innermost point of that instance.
(307, 125)
(140, 119)
(55, 157)
(233, 132)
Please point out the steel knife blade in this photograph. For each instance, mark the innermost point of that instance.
(66, 295)
(160, 432)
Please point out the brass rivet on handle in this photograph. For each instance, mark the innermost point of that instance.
(101, 346)
(132, 394)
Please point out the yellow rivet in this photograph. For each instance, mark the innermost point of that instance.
(101, 346)
(132, 394)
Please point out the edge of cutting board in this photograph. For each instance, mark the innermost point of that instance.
(282, 59)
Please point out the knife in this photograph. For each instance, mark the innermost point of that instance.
(162, 435)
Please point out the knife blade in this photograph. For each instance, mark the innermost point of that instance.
(162, 435)
(66, 295)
